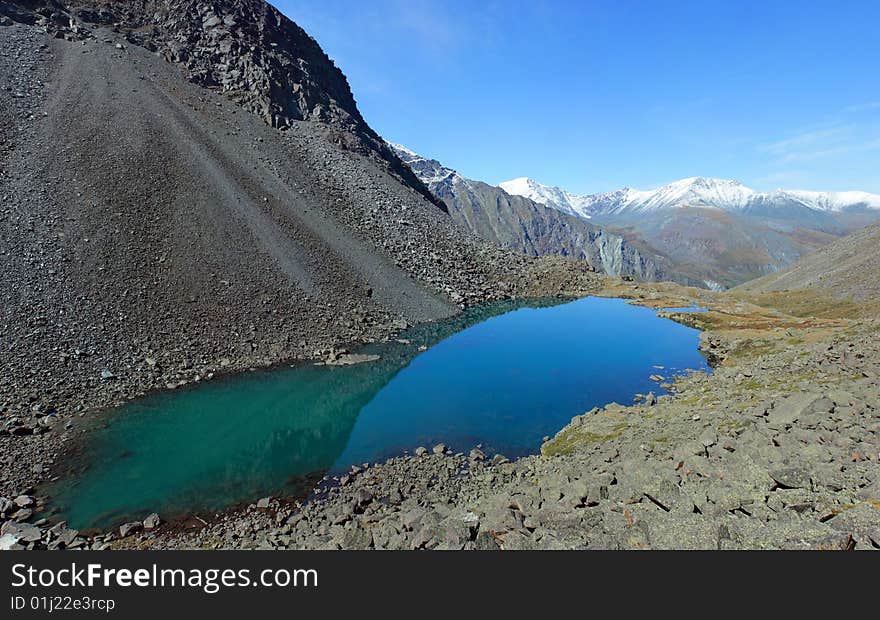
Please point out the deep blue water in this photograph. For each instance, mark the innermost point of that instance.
(502, 381)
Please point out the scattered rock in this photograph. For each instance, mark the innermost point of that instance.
(126, 529)
(152, 521)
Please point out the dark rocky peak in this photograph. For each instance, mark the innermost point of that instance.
(245, 49)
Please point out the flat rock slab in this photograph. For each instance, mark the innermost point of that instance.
(786, 411)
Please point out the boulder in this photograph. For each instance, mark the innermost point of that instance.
(126, 529)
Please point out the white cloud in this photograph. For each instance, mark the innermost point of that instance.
(813, 144)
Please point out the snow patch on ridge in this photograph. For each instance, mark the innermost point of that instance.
(709, 193)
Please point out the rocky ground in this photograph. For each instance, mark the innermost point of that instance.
(778, 448)
(153, 234)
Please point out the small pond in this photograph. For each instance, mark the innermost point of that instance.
(502, 376)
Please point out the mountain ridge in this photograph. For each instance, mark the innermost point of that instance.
(845, 270)
(246, 50)
(531, 228)
(705, 192)
(717, 231)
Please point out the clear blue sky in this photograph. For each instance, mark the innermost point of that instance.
(596, 95)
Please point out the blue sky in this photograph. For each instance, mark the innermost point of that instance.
(596, 95)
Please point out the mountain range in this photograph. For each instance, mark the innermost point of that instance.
(724, 194)
(716, 231)
(529, 227)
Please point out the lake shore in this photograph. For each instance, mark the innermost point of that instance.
(777, 448)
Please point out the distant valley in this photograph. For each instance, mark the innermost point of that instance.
(715, 231)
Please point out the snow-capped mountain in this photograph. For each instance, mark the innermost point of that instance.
(731, 233)
(524, 225)
(555, 197)
(430, 171)
(702, 192)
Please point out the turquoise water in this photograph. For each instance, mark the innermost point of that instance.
(500, 376)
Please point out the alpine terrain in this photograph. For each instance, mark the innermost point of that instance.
(188, 189)
(524, 225)
(188, 193)
(715, 230)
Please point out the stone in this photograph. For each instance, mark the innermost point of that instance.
(363, 496)
(21, 531)
(22, 514)
(356, 538)
(350, 359)
(421, 451)
(152, 521)
(67, 536)
(23, 501)
(9, 542)
(126, 529)
(440, 448)
(107, 375)
(264, 502)
(791, 477)
(412, 517)
(785, 412)
(477, 455)
(862, 522)
(681, 531)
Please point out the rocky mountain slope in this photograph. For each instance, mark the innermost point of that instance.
(246, 50)
(154, 233)
(714, 230)
(847, 269)
(534, 229)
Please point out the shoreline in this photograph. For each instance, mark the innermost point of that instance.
(462, 479)
(466, 510)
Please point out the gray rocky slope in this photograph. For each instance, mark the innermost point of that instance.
(534, 229)
(154, 233)
(837, 270)
(246, 50)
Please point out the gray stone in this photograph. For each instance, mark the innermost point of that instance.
(862, 522)
(412, 517)
(363, 496)
(786, 411)
(21, 531)
(127, 529)
(791, 477)
(356, 538)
